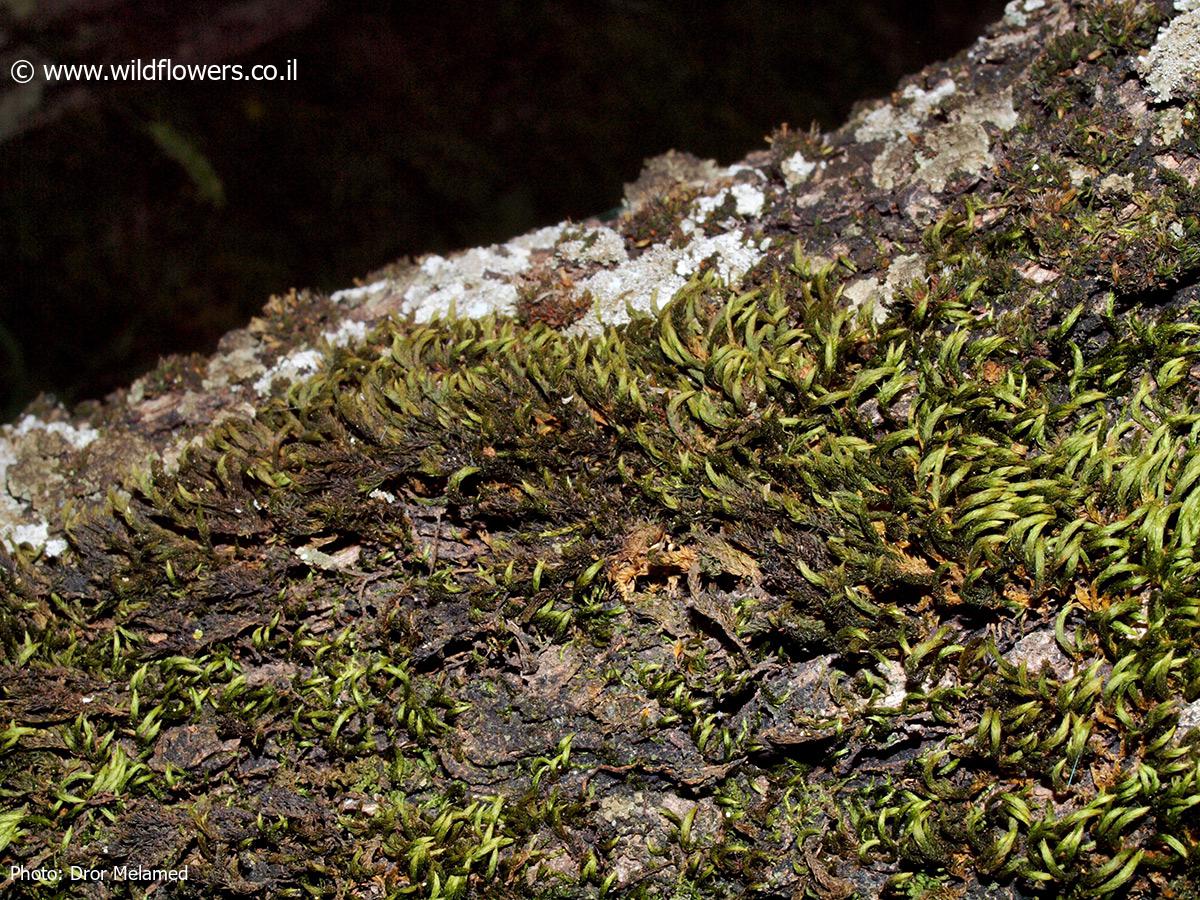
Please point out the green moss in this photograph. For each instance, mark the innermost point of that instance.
(1063, 487)
(402, 581)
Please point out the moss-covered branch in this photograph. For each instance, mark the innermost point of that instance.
(864, 566)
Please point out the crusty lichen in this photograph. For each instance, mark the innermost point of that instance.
(1171, 69)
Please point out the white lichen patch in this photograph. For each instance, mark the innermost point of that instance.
(473, 284)
(1169, 128)
(643, 284)
(737, 169)
(652, 279)
(994, 109)
(36, 535)
(961, 145)
(953, 148)
(1171, 70)
(887, 122)
(291, 368)
(796, 169)
(601, 246)
(706, 206)
(477, 282)
(748, 201)
(1015, 11)
(348, 332)
(12, 530)
(730, 254)
(361, 293)
(1079, 174)
(880, 292)
(18, 524)
(964, 145)
(483, 281)
(224, 369)
(78, 436)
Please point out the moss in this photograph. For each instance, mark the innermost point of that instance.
(989, 463)
(736, 599)
(550, 301)
(658, 219)
(1103, 36)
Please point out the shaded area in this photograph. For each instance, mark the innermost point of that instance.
(145, 218)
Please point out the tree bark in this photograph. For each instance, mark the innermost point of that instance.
(820, 525)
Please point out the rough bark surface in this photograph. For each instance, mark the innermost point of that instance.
(864, 567)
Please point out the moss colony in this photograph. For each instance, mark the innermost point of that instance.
(864, 567)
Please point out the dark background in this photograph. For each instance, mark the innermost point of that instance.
(140, 219)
